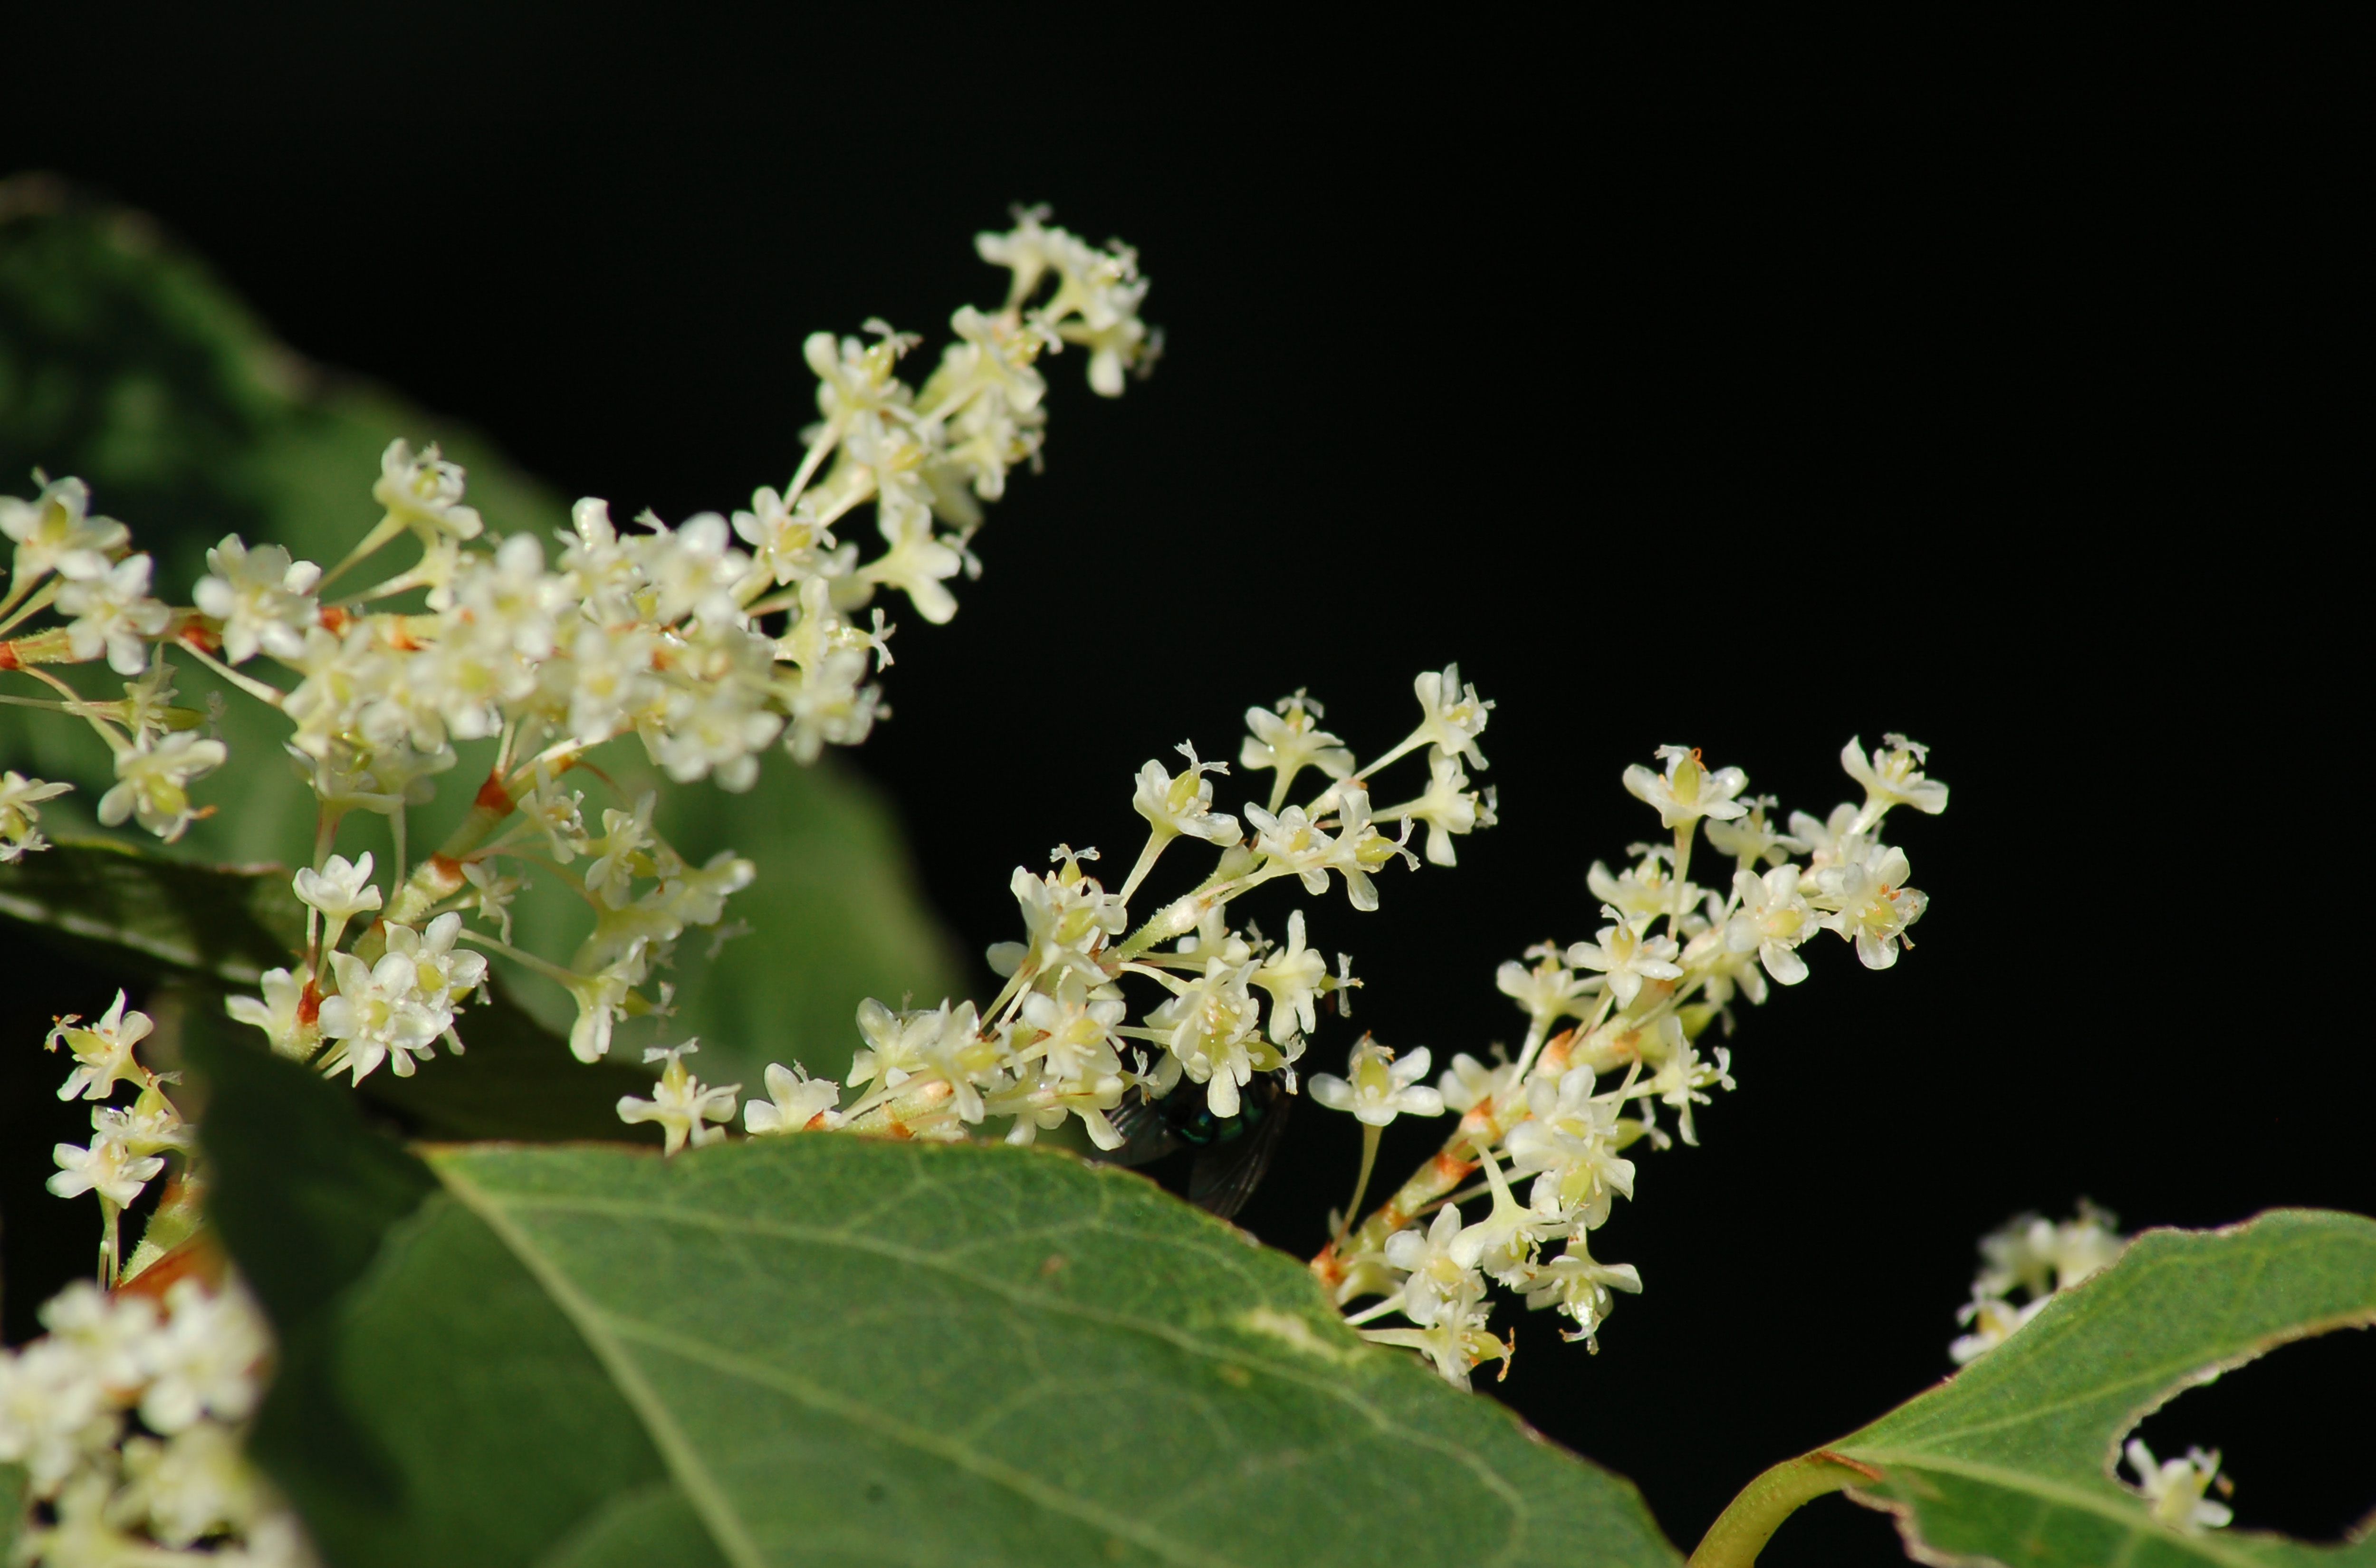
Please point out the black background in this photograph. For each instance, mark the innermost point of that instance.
(2038, 441)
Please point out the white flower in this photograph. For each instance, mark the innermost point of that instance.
(340, 890)
(1075, 1029)
(113, 613)
(1578, 1286)
(1292, 741)
(1456, 1342)
(1379, 1086)
(204, 1361)
(1504, 1242)
(612, 686)
(896, 1044)
(196, 1483)
(54, 532)
(1436, 1279)
(689, 570)
(491, 895)
(1645, 891)
(1569, 1139)
(108, 1168)
(1993, 1321)
(1066, 918)
(1468, 1083)
(1682, 1072)
(1296, 977)
(18, 798)
(917, 563)
(425, 493)
(1454, 715)
(795, 1102)
(1749, 839)
(1830, 840)
(716, 718)
(2040, 1256)
(1893, 779)
(263, 599)
(1546, 992)
(1295, 843)
(961, 1056)
(1183, 804)
(1869, 903)
(604, 997)
(1687, 790)
(281, 1014)
(103, 1052)
(149, 700)
(53, 1410)
(623, 851)
(1773, 919)
(109, 1330)
(441, 976)
(787, 542)
(379, 1014)
(1211, 1026)
(153, 779)
(1627, 959)
(1359, 848)
(152, 1126)
(2176, 1487)
(696, 896)
(1448, 808)
(680, 1103)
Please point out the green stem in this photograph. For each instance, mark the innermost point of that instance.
(1741, 1531)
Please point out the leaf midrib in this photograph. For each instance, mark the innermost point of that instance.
(726, 1526)
(1333, 1388)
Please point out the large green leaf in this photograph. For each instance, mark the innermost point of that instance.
(123, 360)
(2011, 1461)
(222, 924)
(826, 1349)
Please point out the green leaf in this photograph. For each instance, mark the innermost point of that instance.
(157, 916)
(12, 1509)
(2011, 1461)
(123, 359)
(830, 1349)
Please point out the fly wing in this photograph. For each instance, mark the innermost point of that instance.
(1225, 1175)
(1145, 1135)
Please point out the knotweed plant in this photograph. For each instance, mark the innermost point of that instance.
(1150, 1018)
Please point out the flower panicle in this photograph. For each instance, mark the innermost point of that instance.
(1616, 1035)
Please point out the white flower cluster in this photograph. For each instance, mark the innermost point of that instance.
(708, 642)
(128, 1420)
(1668, 961)
(129, 1143)
(2024, 1265)
(1228, 1002)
